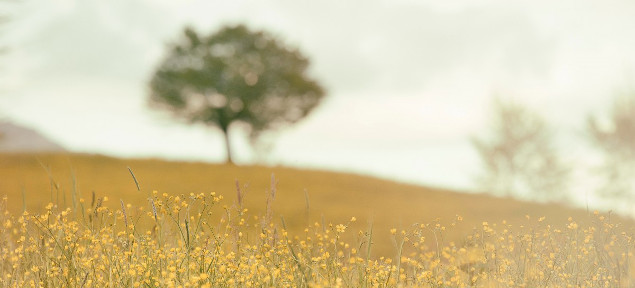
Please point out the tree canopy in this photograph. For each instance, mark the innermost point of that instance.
(520, 158)
(616, 141)
(235, 75)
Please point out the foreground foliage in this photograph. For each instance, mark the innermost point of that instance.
(90, 244)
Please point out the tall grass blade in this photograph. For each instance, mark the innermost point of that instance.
(307, 206)
(134, 178)
(125, 215)
(23, 200)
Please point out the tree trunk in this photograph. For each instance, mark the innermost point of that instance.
(227, 146)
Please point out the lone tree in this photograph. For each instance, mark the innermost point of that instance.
(519, 158)
(235, 75)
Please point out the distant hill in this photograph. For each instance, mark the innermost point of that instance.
(15, 139)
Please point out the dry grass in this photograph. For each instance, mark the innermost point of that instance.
(183, 244)
(87, 221)
(332, 197)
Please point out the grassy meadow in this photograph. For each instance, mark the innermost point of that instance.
(72, 220)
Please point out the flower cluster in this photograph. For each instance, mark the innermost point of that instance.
(193, 241)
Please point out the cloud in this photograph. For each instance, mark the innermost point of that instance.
(391, 47)
(402, 47)
(114, 39)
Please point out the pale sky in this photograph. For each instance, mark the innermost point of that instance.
(408, 81)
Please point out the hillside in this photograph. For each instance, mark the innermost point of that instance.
(332, 197)
(16, 138)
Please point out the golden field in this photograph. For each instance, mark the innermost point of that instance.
(334, 197)
(185, 227)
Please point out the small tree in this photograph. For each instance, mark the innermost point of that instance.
(616, 140)
(519, 158)
(235, 75)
